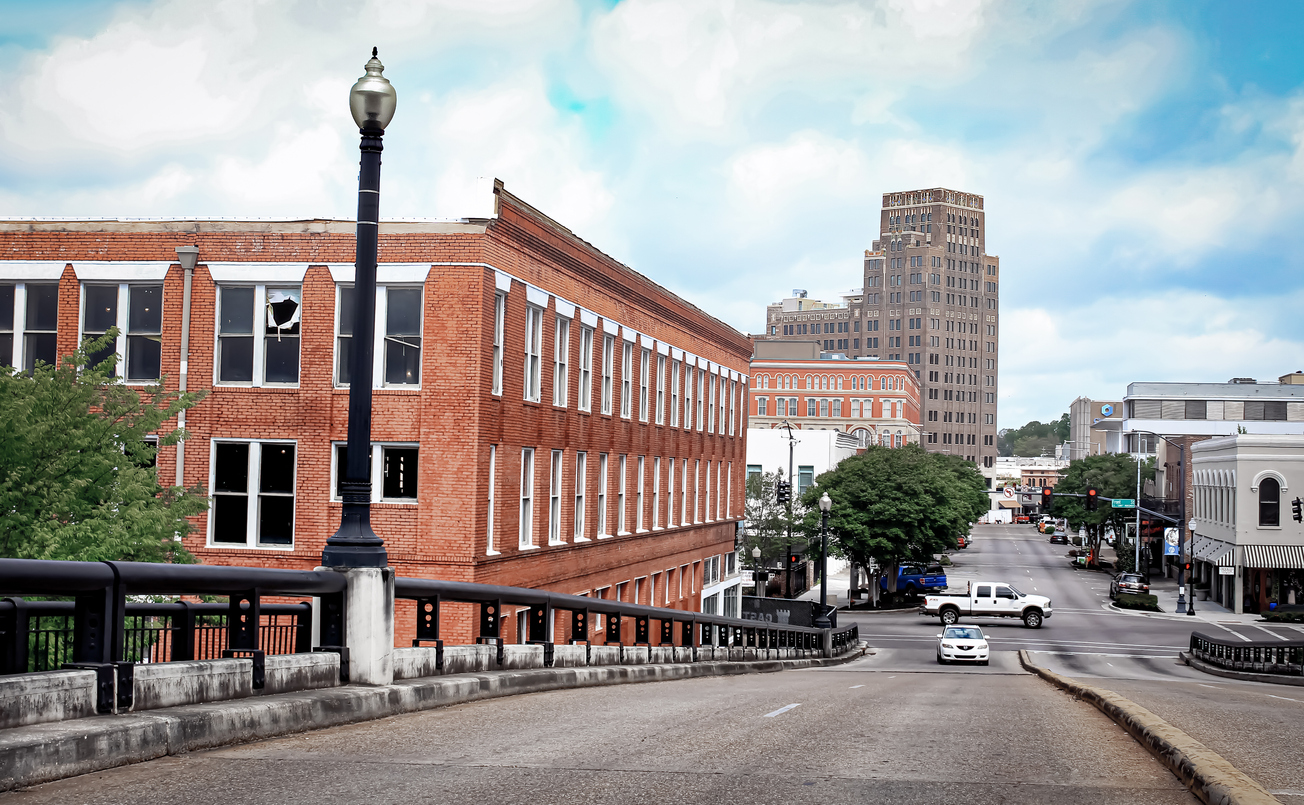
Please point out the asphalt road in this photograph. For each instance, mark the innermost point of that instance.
(1258, 727)
(859, 733)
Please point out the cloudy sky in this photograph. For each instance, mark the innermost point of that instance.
(1142, 163)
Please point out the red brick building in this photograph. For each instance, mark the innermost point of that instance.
(544, 416)
(875, 400)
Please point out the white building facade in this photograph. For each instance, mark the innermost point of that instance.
(1245, 545)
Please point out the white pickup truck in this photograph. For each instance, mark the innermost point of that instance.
(992, 599)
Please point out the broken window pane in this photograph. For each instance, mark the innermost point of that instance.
(400, 472)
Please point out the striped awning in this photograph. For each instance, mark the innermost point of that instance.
(1213, 551)
(1273, 556)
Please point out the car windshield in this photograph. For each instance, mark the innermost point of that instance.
(963, 633)
(1016, 590)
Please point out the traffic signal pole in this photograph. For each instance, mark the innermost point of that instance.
(787, 571)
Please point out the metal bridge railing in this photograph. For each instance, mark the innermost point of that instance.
(1259, 656)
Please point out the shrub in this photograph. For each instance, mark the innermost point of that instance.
(1148, 603)
(1050, 529)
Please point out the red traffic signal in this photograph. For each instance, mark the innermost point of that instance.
(1092, 498)
(794, 559)
(1046, 498)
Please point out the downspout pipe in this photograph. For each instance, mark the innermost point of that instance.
(187, 256)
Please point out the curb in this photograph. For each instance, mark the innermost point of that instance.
(1245, 676)
(43, 753)
(1205, 773)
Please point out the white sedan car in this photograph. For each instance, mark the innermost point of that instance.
(962, 644)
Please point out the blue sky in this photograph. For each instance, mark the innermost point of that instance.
(1142, 163)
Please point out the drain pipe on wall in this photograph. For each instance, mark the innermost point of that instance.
(187, 256)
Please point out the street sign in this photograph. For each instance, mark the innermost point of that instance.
(1226, 571)
(1123, 503)
(1009, 492)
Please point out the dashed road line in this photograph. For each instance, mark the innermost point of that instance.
(781, 710)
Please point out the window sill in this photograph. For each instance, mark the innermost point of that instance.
(252, 387)
(527, 547)
(606, 536)
(556, 543)
(1268, 528)
(581, 539)
(247, 547)
(492, 552)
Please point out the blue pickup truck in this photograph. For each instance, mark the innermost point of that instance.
(918, 579)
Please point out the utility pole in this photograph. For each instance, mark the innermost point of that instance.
(787, 566)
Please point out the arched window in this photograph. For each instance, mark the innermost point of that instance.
(839, 384)
(1269, 502)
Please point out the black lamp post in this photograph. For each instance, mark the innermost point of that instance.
(756, 572)
(372, 101)
(822, 620)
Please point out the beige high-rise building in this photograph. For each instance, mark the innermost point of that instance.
(931, 298)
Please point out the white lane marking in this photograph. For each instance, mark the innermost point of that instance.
(781, 711)
(1098, 654)
(1110, 664)
(1233, 631)
(1208, 686)
(853, 687)
(1277, 635)
(1283, 698)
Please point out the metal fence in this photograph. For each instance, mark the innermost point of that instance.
(1260, 657)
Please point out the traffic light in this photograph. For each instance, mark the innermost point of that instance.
(783, 493)
(1295, 510)
(1093, 497)
(1186, 566)
(794, 559)
(1045, 498)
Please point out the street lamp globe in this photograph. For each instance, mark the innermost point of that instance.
(826, 503)
(373, 99)
(756, 553)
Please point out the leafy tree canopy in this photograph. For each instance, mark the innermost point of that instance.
(1114, 476)
(767, 521)
(895, 504)
(1033, 439)
(77, 479)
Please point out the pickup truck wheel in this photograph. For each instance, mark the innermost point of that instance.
(949, 616)
(1032, 619)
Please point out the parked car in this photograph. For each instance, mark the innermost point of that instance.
(1059, 538)
(996, 599)
(962, 541)
(913, 579)
(1022, 518)
(962, 644)
(1133, 583)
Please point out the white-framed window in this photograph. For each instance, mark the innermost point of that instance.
(670, 493)
(500, 316)
(728, 496)
(622, 468)
(710, 406)
(683, 493)
(661, 390)
(638, 498)
(525, 538)
(533, 346)
(626, 379)
(561, 362)
(554, 499)
(608, 358)
(701, 396)
(139, 320)
(644, 360)
(602, 495)
(29, 324)
(697, 490)
(490, 534)
(708, 491)
(719, 487)
(397, 345)
(733, 393)
(253, 494)
(394, 470)
(761, 405)
(257, 335)
(581, 478)
(656, 492)
(674, 394)
(688, 397)
(586, 368)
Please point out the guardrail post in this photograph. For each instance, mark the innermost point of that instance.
(613, 628)
(13, 636)
(242, 620)
(540, 620)
(303, 629)
(642, 630)
(491, 621)
(667, 632)
(93, 626)
(183, 633)
(579, 626)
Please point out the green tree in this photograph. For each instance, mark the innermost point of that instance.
(1114, 476)
(896, 504)
(1033, 439)
(767, 521)
(77, 477)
